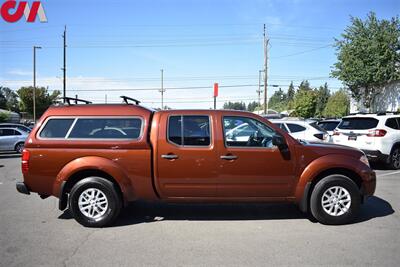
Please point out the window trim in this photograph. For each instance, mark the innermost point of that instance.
(182, 125)
(75, 119)
(241, 147)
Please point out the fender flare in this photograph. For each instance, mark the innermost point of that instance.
(91, 163)
(317, 167)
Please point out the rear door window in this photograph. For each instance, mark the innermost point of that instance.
(56, 128)
(7, 132)
(294, 128)
(189, 130)
(106, 128)
(358, 123)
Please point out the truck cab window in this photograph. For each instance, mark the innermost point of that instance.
(189, 130)
(247, 132)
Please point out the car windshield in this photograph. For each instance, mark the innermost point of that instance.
(358, 123)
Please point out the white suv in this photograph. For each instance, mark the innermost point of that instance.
(378, 135)
(303, 130)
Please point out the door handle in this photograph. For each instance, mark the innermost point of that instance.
(169, 156)
(229, 157)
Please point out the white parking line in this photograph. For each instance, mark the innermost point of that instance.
(387, 174)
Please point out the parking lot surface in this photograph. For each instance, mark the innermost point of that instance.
(34, 232)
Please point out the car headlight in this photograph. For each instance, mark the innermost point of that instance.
(364, 160)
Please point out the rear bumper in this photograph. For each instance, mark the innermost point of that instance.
(375, 155)
(22, 188)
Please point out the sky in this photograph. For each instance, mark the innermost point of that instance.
(118, 48)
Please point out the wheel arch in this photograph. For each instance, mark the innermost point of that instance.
(304, 203)
(81, 168)
(311, 176)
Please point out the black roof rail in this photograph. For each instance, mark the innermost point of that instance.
(69, 99)
(126, 98)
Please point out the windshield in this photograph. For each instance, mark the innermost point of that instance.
(358, 123)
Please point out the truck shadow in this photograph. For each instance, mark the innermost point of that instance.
(144, 212)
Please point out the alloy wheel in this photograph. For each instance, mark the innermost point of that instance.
(336, 201)
(93, 203)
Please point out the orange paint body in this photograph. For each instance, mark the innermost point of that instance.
(198, 174)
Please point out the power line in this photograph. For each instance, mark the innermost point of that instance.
(302, 52)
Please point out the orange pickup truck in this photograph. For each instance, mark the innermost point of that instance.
(96, 158)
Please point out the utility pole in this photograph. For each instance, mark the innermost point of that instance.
(266, 42)
(34, 82)
(162, 90)
(259, 91)
(65, 63)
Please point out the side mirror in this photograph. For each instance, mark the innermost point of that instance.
(279, 141)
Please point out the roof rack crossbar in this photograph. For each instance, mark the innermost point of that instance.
(69, 99)
(126, 98)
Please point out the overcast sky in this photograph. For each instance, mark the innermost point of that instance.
(118, 47)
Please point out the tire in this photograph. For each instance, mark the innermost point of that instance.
(94, 202)
(394, 158)
(348, 204)
(19, 147)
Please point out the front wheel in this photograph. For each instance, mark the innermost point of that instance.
(94, 202)
(335, 200)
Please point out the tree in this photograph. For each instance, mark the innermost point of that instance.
(3, 100)
(11, 99)
(305, 85)
(43, 99)
(291, 92)
(368, 56)
(304, 103)
(4, 116)
(322, 98)
(338, 105)
(235, 105)
(278, 100)
(252, 106)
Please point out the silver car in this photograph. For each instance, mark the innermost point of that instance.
(12, 139)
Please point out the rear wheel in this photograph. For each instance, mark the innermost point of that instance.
(335, 200)
(94, 202)
(394, 159)
(19, 148)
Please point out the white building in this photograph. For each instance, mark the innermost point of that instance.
(388, 100)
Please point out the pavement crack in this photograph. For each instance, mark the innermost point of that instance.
(86, 238)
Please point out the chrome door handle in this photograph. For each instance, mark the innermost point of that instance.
(169, 156)
(229, 157)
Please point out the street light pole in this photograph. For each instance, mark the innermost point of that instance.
(162, 89)
(34, 82)
(259, 91)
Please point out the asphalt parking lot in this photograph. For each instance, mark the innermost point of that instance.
(34, 232)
